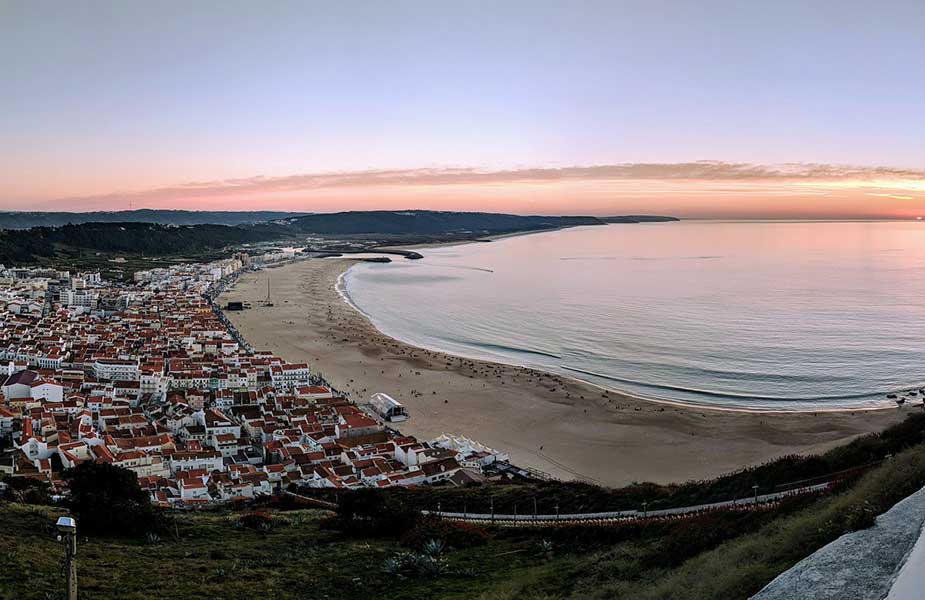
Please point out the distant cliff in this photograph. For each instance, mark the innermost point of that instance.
(639, 219)
(425, 222)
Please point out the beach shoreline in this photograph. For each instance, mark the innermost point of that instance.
(560, 425)
(341, 288)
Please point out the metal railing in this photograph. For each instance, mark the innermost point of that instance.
(623, 515)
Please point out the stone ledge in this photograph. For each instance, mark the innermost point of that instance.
(861, 565)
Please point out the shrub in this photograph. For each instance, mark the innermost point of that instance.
(260, 521)
(27, 491)
(370, 512)
(861, 516)
(434, 547)
(452, 533)
(414, 565)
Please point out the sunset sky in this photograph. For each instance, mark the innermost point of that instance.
(697, 109)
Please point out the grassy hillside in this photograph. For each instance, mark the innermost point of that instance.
(309, 553)
(212, 558)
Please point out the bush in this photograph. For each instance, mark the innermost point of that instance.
(371, 512)
(452, 533)
(860, 517)
(260, 521)
(107, 499)
(414, 565)
(27, 491)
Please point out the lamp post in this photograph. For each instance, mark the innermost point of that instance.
(645, 510)
(68, 528)
(755, 488)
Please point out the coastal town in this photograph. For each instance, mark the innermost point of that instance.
(150, 376)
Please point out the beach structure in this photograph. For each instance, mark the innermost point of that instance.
(268, 301)
(470, 452)
(388, 408)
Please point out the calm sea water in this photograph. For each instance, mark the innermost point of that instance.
(757, 314)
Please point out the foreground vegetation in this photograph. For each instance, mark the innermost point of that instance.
(376, 543)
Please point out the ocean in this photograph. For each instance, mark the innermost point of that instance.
(761, 315)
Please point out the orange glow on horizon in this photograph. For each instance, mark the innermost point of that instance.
(692, 190)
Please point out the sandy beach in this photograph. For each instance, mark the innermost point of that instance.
(566, 428)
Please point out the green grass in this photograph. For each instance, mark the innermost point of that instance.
(213, 559)
(724, 555)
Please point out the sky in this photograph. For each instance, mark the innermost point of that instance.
(780, 109)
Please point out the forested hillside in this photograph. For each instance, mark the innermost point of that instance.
(25, 220)
(21, 246)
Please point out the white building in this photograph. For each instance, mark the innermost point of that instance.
(46, 390)
(116, 369)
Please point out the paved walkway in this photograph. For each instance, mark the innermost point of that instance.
(864, 564)
(552, 520)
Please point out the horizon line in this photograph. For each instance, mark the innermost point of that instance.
(295, 213)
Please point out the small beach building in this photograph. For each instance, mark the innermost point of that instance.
(388, 408)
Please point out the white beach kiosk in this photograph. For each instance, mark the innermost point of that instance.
(388, 408)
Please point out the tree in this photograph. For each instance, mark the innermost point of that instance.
(373, 512)
(107, 499)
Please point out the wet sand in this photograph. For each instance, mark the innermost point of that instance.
(563, 427)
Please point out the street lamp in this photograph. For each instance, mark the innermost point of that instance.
(755, 488)
(68, 528)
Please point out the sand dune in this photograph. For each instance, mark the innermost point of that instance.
(566, 428)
